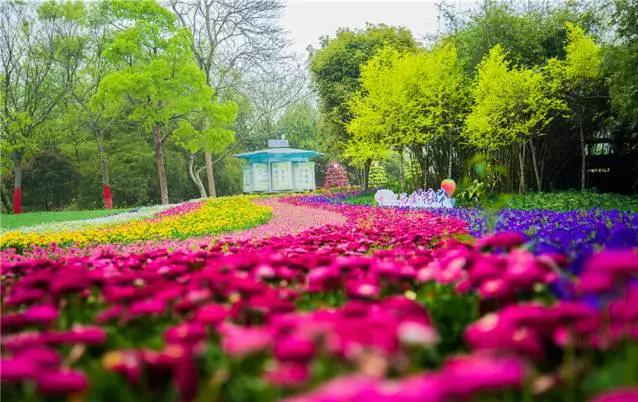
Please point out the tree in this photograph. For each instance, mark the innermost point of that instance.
(511, 106)
(414, 100)
(39, 60)
(231, 40)
(213, 135)
(336, 69)
(579, 74)
(378, 177)
(157, 79)
(622, 62)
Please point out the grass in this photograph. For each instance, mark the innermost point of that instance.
(560, 201)
(570, 200)
(10, 221)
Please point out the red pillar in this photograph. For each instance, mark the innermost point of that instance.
(17, 200)
(108, 201)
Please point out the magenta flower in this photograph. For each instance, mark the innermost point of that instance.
(211, 314)
(188, 333)
(17, 369)
(468, 375)
(41, 315)
(61, 382)
(289, 374)
(619, 395)
(502, 239)
(147, 307)
(240, 341)
(294, 348)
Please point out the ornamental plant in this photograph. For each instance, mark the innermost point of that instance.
(377, 178)
(336, 176)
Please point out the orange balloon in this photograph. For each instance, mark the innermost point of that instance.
(449, 186)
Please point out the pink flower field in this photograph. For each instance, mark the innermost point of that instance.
(325, 302)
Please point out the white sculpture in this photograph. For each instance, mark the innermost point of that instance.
(418, 199)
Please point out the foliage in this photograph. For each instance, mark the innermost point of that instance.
(54, 177)
(336, 68)
(408, 98)
(378, 176)
(511, 105)
(198, 218)
(567, 201)
(622, 62)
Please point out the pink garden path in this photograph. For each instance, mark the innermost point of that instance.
(287, 219)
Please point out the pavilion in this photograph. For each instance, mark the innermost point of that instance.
(278, 168)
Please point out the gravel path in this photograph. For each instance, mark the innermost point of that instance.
(287, 219)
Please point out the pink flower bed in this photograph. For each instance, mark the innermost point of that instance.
(382, 305)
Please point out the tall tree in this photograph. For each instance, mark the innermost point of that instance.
(209, 132)
(39, 61)
(157, 80)
(511, 106)
(336, 68)
(232, 40)
(413, 100)
(580, 75)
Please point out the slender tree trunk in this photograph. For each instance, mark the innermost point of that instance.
(104, 170)
(539, 184)
(195, 177)
(583, 156)
(6, 204)
(449, 160)
(521, 165)
(159, 162)
(17, 183)
(401, 171)
(366, 173)
(208, 157)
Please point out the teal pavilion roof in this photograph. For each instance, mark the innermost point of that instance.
(278, 151)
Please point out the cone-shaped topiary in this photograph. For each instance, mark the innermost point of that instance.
(336, 176)
(377, 177)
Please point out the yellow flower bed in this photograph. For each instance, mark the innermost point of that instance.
(214, 216)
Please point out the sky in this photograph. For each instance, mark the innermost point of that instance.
(308, 20)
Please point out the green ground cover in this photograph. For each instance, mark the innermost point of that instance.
(562, 201)
(10, 221)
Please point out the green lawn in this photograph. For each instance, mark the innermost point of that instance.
(8, 221)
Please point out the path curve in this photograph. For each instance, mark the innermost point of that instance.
(287, 219)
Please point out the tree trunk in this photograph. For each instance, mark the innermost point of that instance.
(208, 157)
(106, 182)
(195, 177)
(401, 171)
(366, 173)
(17, 183)
(449, 161)
(539, 184)
(6, 204)
(583, 156)
(159, 162)
(521, 165)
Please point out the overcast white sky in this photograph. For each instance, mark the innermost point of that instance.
(308, 20)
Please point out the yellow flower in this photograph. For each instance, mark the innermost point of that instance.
(215, 215)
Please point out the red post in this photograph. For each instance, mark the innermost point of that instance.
(108, 201)
(17, 200)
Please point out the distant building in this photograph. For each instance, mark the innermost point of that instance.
(278, 168)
